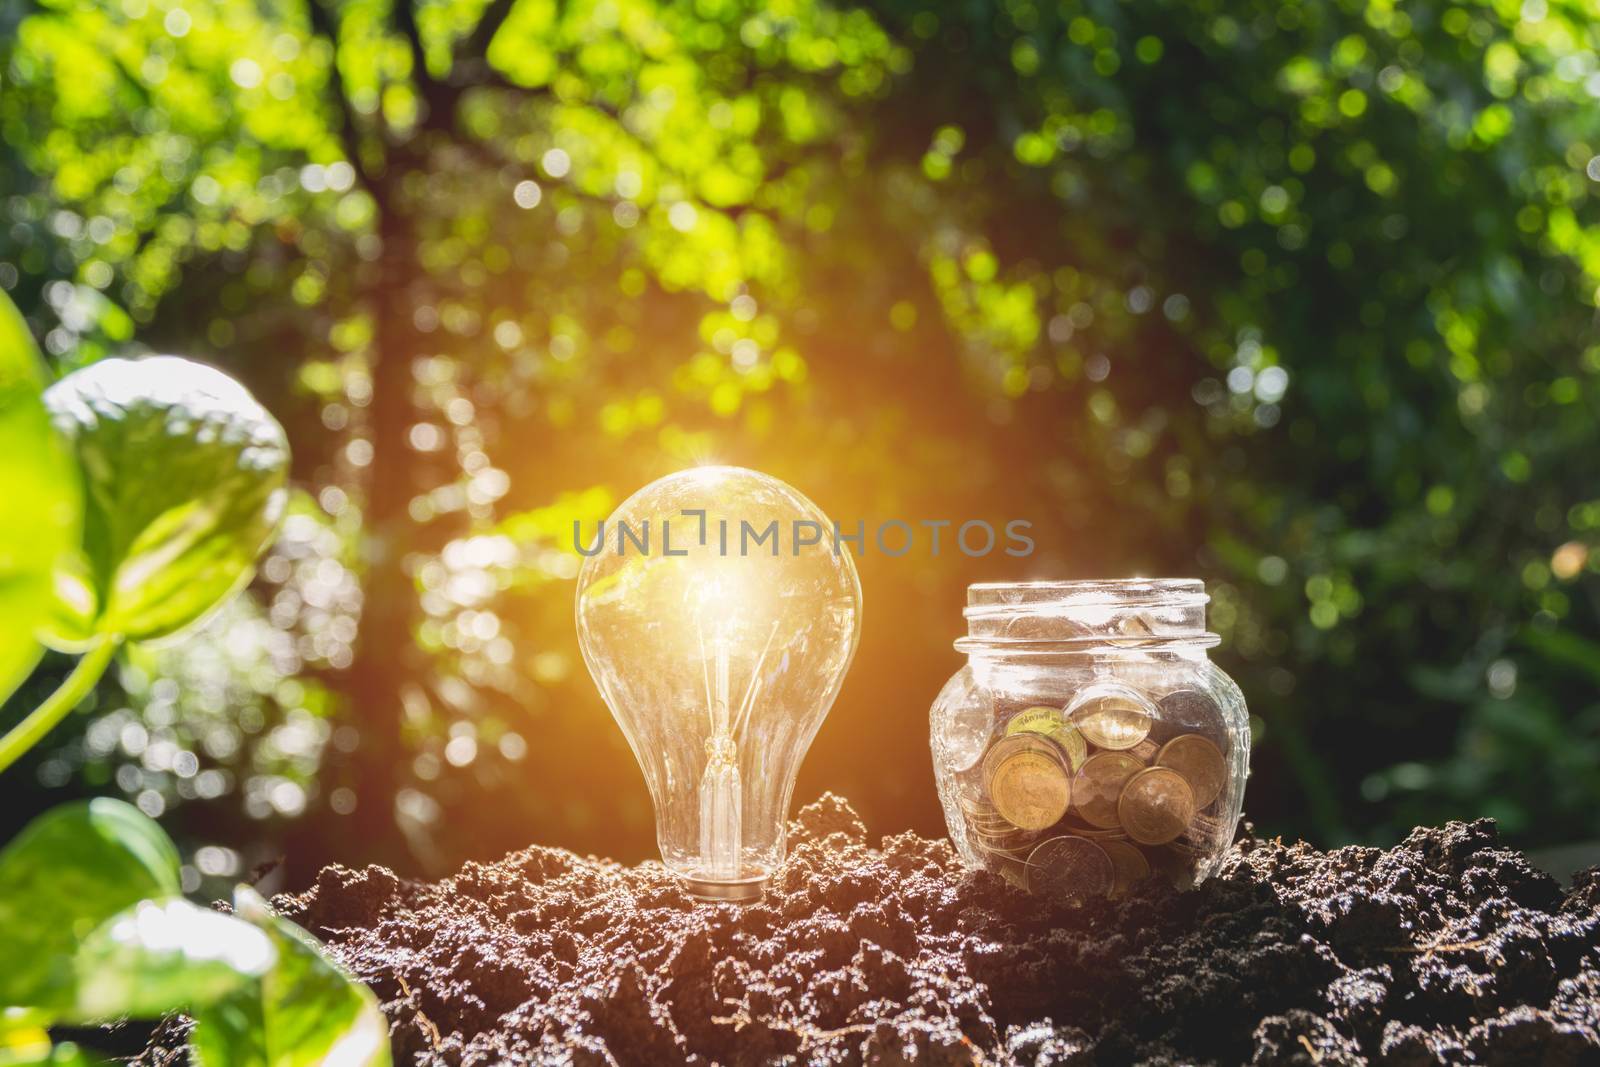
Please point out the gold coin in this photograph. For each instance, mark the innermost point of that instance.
(1201, 764)
(1070, 866)
(1127, 862)
(977, 807)
(1094, 833)
(991, 834)
(984, 817)
(985, 814)
(1006, 747)
(1073, 823)
(1070, 738)
(1018, 851)
(1039, 720)
(996, 827)
(990, 827)
(1052, 723)
(1006, 845)
(1031, 790)
(1155, 806)
(1112, 716)
(1098, 785)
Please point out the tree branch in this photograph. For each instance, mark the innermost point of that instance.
(403, 15)
(474, 48)
(322, 25)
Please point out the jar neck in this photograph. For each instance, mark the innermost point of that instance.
(1043, 620)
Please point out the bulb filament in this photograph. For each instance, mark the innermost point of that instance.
(721, 794)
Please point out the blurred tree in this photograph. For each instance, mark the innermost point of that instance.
(391, 191)
(1315, 284)
(1299, 297)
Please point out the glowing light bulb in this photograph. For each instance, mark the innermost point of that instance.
(718, 620)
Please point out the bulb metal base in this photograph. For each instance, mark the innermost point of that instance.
(743, 891)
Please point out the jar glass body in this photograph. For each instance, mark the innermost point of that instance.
(1090, 742)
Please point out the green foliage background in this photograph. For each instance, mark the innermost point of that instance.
(1296, 297)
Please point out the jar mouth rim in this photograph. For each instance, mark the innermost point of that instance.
(992, 597)
(1198, 640)
(1069, 584)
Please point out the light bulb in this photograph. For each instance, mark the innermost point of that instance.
(718, 616)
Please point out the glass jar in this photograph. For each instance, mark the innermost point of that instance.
(1089, 742)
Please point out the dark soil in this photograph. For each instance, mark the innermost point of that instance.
(1445, 949)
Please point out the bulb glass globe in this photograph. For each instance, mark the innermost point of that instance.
(718, 619)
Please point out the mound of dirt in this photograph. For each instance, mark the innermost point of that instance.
(1445, 949)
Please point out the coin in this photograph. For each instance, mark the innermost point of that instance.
(1006, 747)
(1006, 848)
(1190, 709)
(1127, 862)
(993, 834)
(1201, 764)
(1040, 719)
(1074, 823)
(1095, 833)
(1070, 866)
(1111, 716)
(976, 805)
(991, 831)
(1017, 852)
(1145, 751)
(998, 836)
(1002, 843)
(1052, 723)
(1155, 806)
(983, 810)
(1098, 784)
(984, 815)
(1031, 790)
(1072, 742)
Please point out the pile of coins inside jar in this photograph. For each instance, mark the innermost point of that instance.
(1091, 797)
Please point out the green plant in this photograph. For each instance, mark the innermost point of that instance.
(40, 493)
(180, 484)
(94, 928)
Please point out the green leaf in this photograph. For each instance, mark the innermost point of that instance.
(163, 956)
(183, 477)
(69, 871)
(41, 513)
(305, 1011)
